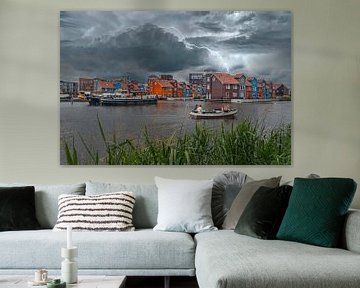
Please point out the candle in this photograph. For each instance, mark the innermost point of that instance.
(69, 240)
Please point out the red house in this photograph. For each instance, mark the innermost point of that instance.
(223, 86)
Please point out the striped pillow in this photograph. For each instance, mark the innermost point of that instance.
(105, 212)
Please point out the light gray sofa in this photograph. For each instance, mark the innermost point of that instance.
(220, 259)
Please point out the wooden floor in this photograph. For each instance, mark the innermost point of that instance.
(158, 282)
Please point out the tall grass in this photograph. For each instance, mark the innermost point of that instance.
(243, 144)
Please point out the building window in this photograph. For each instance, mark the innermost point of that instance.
(234, 94)
(235, 86)
(227, 94)
(227, 86)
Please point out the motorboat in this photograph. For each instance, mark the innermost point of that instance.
(216, 113)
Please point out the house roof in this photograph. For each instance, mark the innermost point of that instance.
(226, 78)
(239, 75)
(248, 80)
(164, 83)
(106, 84)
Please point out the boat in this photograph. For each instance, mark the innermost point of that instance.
(127, 101)
(110, 100)
(216, 113)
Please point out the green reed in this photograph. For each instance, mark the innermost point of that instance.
(242, 144)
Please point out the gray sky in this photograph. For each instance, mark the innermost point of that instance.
(140, 43)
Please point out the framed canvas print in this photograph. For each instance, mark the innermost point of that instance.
(175, 87)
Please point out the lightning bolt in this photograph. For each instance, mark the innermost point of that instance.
(220, 59)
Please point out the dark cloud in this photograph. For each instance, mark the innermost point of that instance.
(138, 43)
(211, 26)
(239, 67)
(260, 42)
(145, 49)
(198, 13)
(203, 41)
(246, 18)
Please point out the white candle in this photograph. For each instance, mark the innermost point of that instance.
(69, 239)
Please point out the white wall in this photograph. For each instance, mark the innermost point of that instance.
(326, 91)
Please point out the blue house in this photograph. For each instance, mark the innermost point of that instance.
(254, 89)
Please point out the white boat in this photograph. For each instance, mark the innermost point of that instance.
(213, 114)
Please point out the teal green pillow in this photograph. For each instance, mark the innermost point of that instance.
(316, 211)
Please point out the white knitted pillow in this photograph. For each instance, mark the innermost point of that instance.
(105, 212)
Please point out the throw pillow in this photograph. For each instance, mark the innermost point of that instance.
(184, 205)
(106, 212)
(263, 215)
(17, 209)
(243, 198)
(146, 205)
(226, 187)
(317, 209)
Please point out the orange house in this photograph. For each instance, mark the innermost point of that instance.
(161, 87)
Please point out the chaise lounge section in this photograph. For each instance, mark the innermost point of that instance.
(225, 259)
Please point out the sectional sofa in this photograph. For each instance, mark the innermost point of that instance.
(218, 259)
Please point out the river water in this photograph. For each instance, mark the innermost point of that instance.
(162, 120)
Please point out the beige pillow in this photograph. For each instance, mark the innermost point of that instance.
(243, 198)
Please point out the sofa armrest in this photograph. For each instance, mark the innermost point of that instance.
(351, 234)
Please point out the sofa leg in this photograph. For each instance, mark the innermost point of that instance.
(167, 282)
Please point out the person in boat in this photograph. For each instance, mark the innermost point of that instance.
(199, 109)
(195, 108)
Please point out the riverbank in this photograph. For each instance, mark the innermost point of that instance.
(243, 144)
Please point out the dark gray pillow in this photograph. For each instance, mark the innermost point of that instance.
(263, 214)
(226, 187)
(243, 198)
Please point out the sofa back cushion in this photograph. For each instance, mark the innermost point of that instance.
(46, 200)
(146, 204)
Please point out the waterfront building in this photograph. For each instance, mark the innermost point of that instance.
(251, 88)
(268, 90)
(86, 84)
(166, 77)
(242, 84)
(135, 88)
(103, 86)
(261, 86)
(208, 85)
(281, 90)
(223, 86)
(160, 87)
(198, 79)
(68, 87)
(180, 90)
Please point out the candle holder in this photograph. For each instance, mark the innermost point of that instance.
(69, 271)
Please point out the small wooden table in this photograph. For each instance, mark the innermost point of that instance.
(84, 281)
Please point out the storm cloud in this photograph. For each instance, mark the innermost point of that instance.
(139, 43)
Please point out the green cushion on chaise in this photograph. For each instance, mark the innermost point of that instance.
(316, 211)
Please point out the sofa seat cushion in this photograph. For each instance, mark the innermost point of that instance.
(226, 259)
(142, 249)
